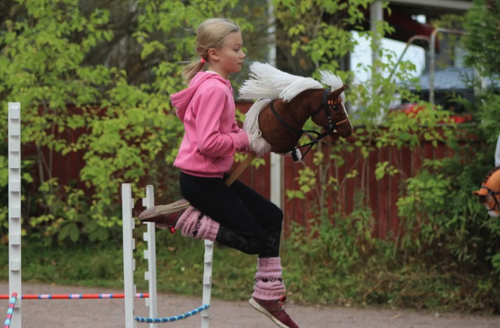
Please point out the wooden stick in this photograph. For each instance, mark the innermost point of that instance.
(242, 167)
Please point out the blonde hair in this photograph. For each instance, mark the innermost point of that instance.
(211, 34)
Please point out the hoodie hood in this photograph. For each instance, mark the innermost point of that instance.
(181, 100)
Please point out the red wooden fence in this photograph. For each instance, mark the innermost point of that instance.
(382, 195)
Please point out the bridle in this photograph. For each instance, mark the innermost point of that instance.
(493, 195)
(328, 129)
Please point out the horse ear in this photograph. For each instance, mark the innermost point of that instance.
(480, 192)
(335, 94)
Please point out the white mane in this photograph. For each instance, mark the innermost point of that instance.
(251, 127)
(332, 80)
(268, 82)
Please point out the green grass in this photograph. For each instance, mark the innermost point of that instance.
(312, 273)
(179, 266)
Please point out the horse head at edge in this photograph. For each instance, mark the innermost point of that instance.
(489, 192)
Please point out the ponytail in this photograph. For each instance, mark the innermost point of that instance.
(191, 70)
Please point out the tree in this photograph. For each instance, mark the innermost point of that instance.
(321, 40)
(483, 26)
(118, 65)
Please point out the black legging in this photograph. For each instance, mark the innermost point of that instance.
(248, 221)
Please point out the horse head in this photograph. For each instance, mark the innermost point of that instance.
(487, 194)
(281, 122)
(286, 102)
(330, 113)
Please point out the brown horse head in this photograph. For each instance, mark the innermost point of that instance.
(335, 110)
(283, 128)
(489, 193)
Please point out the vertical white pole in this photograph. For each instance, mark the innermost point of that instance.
(128, 255)
(150, 255)
(376, 15)
(207, 282)
(271, 30)
(15, 283)
(276, 174)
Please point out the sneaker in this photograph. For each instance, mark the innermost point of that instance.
(275, 311)
(165, 221)
(165, 216)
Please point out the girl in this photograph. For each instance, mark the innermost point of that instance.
(235, 216)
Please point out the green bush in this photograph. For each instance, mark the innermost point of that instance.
(73, 102)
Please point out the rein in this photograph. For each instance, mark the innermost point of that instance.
(298, 133)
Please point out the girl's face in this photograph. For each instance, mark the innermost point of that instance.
(230, 56)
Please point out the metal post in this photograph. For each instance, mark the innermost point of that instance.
(150, 255)
(128, 255)
(15, 282)
(376, 15)
(432, 50)
(408, 44)
(207, 282)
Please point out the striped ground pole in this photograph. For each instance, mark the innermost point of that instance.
(74, 296)
(174, 318)
(10, 310)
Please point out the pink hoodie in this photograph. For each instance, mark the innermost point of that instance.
(211, 136)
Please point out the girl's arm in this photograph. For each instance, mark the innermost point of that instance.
(211, 141)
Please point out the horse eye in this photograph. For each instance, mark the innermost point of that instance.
(335, 108)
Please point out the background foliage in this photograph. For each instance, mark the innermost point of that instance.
(95, 77)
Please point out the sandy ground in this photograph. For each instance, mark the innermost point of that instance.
(110, 313)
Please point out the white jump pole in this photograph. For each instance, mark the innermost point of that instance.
(150, 255)
(15, 285)
(15, 282)
(128, 255)
(207, 282)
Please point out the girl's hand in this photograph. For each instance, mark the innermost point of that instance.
(244, 140)
(258, 145)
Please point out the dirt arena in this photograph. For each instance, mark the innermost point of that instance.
(110, 313)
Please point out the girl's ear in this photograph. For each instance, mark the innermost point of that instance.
(213, 54)
(336, 94)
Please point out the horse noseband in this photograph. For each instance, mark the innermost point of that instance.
(324, 106)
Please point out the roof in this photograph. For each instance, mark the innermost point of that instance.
(431, 8)
(449, 79)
